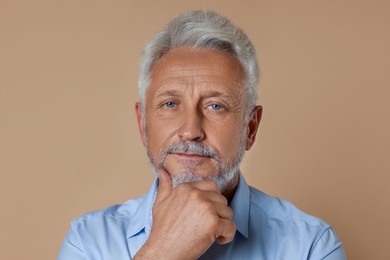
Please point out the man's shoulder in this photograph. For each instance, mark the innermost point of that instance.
(113, 214)
(93, 233)
(275, 219)
(277, 209)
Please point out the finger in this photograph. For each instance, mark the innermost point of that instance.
(225, 232)
(164, 188)
(223, 211)
(215, 197)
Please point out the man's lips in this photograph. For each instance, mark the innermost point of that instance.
(190, 156)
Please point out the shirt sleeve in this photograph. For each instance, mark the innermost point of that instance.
(71, 248)
(328, 247)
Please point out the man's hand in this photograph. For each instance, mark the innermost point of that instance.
(187, 220)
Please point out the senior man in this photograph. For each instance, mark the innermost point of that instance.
(197, 115)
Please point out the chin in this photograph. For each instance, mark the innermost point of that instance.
(223, 180)
(193, 173)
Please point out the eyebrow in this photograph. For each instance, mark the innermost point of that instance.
(215, 93)
(208, 93)
(169, 92)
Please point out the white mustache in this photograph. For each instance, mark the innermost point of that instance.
(188, 147)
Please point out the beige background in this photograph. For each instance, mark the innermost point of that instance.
(68, 136)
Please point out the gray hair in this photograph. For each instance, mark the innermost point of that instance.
(202, 29)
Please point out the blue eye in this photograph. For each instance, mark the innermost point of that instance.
(216, 107)
(170, 104)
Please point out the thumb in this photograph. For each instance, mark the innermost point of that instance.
(164, 188)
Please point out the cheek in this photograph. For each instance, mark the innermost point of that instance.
(226, 138)
(159, 133)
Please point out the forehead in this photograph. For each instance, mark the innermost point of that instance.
(197, 67)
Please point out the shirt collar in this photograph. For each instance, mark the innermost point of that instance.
(142, 218)
(240, 205)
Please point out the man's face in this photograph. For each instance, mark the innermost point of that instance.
(195, 110)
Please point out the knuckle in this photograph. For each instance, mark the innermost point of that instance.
(182, 187)
(194, 194)
(225, 201)
(230, 213)
(205, 207)
(212, 185)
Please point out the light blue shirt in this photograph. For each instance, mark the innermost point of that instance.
(268, 228)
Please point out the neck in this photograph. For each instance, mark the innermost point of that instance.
(230, 189)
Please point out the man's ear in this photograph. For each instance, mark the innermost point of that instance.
(140, 120)
(253, 125)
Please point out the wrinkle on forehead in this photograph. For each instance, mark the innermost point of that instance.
(205, 72)
(177, 74)
(177, 61)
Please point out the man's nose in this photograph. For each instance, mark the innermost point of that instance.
(191, 128)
